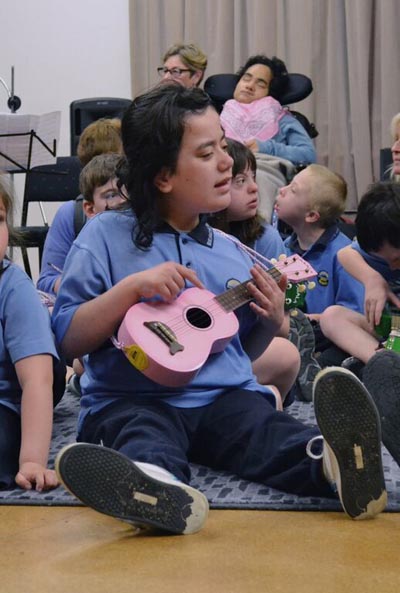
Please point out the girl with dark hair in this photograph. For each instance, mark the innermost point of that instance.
(280, 363)
(241, 217)
(143, 418)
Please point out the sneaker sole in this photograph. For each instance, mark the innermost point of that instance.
(349, 422)
(112, 484)
(382, 379)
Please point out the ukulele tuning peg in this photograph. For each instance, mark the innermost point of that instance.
(282, 257)
(311, 285)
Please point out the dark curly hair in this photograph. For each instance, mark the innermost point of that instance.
(279, 72)
(152, 132)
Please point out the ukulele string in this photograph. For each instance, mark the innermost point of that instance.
(213, 307)
(256, 258)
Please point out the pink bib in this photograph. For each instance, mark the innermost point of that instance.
(246, 121)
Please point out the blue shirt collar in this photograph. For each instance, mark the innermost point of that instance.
(202, 233)
(320, 244)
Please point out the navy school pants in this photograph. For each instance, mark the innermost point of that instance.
(10, 444)
(240, 432)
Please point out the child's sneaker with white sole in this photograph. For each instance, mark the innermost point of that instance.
(352, 457)
(139, 493)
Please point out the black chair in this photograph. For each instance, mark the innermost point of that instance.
(85, 111)
(297, 87)
(385, 163)
(45, 183)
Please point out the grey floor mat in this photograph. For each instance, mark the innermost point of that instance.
(223, 490)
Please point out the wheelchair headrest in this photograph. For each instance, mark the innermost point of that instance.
(220, 87)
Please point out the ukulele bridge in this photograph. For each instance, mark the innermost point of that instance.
(165, 334)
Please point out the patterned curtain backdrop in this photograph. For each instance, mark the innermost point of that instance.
(349, 48)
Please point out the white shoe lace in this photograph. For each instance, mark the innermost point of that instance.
(329, 463)
(310, 445)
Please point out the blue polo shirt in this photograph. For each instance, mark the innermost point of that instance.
(333, 285)
(380, 265)
(103, 254)
(25, 330)
(58, 242)
(270, 244)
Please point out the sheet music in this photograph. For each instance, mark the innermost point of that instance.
(46, 127)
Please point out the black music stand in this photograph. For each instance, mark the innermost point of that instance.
(21, 167)
(25, 167)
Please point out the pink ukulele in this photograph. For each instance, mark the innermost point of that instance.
(169, 342)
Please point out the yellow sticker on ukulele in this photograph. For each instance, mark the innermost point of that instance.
(137, 357)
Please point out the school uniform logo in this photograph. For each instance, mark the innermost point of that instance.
(323, 278)
(232, 283)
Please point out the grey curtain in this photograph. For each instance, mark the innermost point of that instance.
(349, 48)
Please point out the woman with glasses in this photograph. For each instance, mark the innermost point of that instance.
(255, 117)
(184, 63)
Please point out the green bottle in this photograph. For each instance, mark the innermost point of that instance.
(393, 341)
(385, 325)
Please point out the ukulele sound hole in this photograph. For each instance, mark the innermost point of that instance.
(198, 318)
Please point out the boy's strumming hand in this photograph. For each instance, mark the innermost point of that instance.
(166, 280)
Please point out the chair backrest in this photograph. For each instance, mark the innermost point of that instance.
(385, 162)
(220, 87)
(85, 111)
(46, 183)
(52, 183)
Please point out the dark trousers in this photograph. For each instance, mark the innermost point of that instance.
(328, 354)
(240, 432)
(10, 444)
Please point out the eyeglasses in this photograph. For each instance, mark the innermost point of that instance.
(259, 82)
(174, 72)
(114, 198)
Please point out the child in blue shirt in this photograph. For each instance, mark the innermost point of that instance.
(137, 435)
(26, 373)
(280, 363)
(98, 192)
(311, 204)
(374, 259)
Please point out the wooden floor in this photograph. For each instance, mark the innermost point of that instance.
(76, 550)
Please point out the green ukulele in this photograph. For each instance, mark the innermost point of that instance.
(295, 295)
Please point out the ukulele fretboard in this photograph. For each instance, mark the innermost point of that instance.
(239, 295)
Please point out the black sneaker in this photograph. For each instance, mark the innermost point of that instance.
(74, 386)
(301, 334)
(110, 483)
(382, 379)
(355, 365)
(352, 457)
